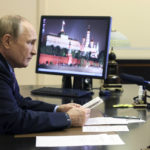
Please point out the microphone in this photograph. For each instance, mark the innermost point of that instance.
(135, 80)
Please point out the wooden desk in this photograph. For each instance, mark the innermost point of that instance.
(138, 137)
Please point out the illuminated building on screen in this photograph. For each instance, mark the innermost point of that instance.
(64, 41)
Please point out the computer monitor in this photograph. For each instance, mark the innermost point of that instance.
(75, 46)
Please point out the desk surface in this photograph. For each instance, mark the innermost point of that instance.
(138, 137)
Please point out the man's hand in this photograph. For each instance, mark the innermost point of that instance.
(78, 116)
(67, 107)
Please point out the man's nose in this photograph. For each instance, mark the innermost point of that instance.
(34, 50)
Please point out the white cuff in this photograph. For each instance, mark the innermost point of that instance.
(55, 109)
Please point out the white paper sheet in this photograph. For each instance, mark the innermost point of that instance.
(111, 120)
(135, 121)
(105, 120)
(78, 140)
(115, 128)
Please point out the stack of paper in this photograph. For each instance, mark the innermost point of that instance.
(99, 124)
(115, 124)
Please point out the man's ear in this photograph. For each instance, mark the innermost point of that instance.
(6, 40)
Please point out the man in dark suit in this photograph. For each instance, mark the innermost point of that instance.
(19, 114)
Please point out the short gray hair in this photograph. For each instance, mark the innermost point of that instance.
(10, 24)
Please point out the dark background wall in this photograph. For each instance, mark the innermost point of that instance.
(135, 67)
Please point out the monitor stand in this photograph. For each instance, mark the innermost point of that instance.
(66, 81)
(82, 83)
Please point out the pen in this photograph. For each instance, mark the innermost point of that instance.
(122, 105)
(130, 106)
(126, 117)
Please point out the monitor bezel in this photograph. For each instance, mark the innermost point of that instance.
(104, 74)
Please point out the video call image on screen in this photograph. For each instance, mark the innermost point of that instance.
(73, 45)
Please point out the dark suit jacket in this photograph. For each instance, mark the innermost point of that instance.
(23, 115)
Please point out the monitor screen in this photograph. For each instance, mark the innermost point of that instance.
(74, 45)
